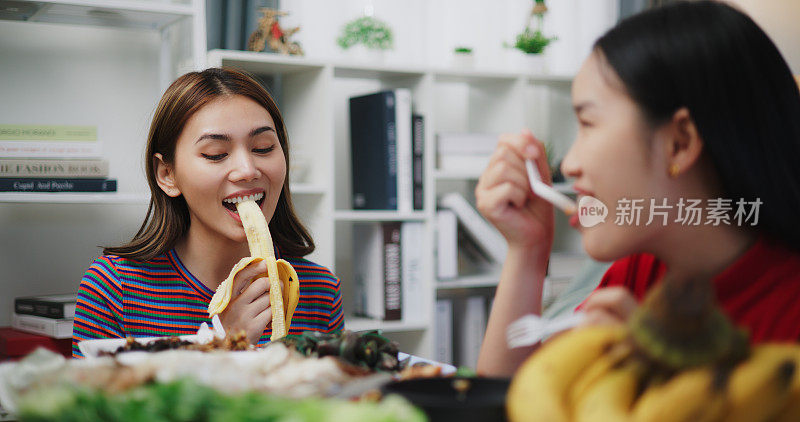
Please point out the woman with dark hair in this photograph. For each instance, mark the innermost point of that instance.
(681, 109)
(216, 136)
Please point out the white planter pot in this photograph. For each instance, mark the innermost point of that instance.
(535, 64)
(362, 54)
(462, 60)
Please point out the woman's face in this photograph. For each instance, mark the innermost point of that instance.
(228, 149)
(614, 157)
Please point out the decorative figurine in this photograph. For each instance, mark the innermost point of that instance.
(269, 32)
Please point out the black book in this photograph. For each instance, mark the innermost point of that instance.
(51, 306)
(392, 272)
(418, 164)
(381, 151)
(14, 184)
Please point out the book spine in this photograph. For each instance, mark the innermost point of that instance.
(390, 151)
(482, 232)
(411, 236)
(56, 310)
(54, 328)
(53, 168)
(368, 270)
(373, 152)
(444, 331)
(404, 147)
(472, 326)
(48, 149)
(392, 272)
(57, 185)
(446, 245)
(418, 127)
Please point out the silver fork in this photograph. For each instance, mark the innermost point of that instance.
(531, 329)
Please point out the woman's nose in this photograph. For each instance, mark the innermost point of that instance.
(244, 168)
(569, 165)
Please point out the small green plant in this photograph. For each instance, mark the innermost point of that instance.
(463, 50)
(532, 41)
(371, 32)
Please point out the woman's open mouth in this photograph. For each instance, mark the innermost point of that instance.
(230, 203)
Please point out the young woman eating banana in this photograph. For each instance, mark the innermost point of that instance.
(686, 107)
(217, 140)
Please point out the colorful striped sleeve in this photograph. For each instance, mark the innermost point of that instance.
(99, 309)
(336, 322)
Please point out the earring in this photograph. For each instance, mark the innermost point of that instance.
(673, 171)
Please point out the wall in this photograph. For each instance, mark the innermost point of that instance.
(780, 19)
(426, 31)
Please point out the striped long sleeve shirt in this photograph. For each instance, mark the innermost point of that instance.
(120, 297)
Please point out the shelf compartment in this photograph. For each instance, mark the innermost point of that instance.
(75, 197)
(379, 216)
(470, 282)
(262, 63)
(362, 324)
(108, 13)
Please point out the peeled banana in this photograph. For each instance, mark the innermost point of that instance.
(284, 290)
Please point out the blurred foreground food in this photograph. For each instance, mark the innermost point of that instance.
(679, 359)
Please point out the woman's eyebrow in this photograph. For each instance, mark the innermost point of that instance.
(260, 130)
(227, 138)
(214, 137)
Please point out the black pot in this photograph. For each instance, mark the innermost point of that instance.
(484, 399)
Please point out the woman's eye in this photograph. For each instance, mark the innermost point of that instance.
(215, 157)
(264, 150)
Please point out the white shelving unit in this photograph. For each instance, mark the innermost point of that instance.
(103, 63)
(313, 97)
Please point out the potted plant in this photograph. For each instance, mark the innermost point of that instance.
(366, 35)
(462, 56)
(532, 41)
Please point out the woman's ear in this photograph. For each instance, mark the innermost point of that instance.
(165, 176)
(683, 145)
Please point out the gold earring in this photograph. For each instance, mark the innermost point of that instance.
(673, 171)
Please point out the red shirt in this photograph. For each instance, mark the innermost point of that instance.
(760, 291)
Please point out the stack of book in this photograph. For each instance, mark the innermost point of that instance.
(48, 158)
(387, 271)
(50, 316)
(466, 243)
(464, 152)
(387, 144)
(459, 329)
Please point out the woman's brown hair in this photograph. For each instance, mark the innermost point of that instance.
(167, 218)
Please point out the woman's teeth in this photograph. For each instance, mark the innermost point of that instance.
(236, 200)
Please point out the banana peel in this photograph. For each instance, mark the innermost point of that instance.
(284, 289)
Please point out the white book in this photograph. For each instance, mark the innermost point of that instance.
(472, 326)
(466, 163)
(50, 149)
(405, 172)
(446, 244)
(55, 328)
(411, 237)
(466, 143)
(565, 265)
(481, 231)
(368, 270)
(444, 331)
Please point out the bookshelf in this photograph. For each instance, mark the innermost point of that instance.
(101, 63)
(313, 95)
